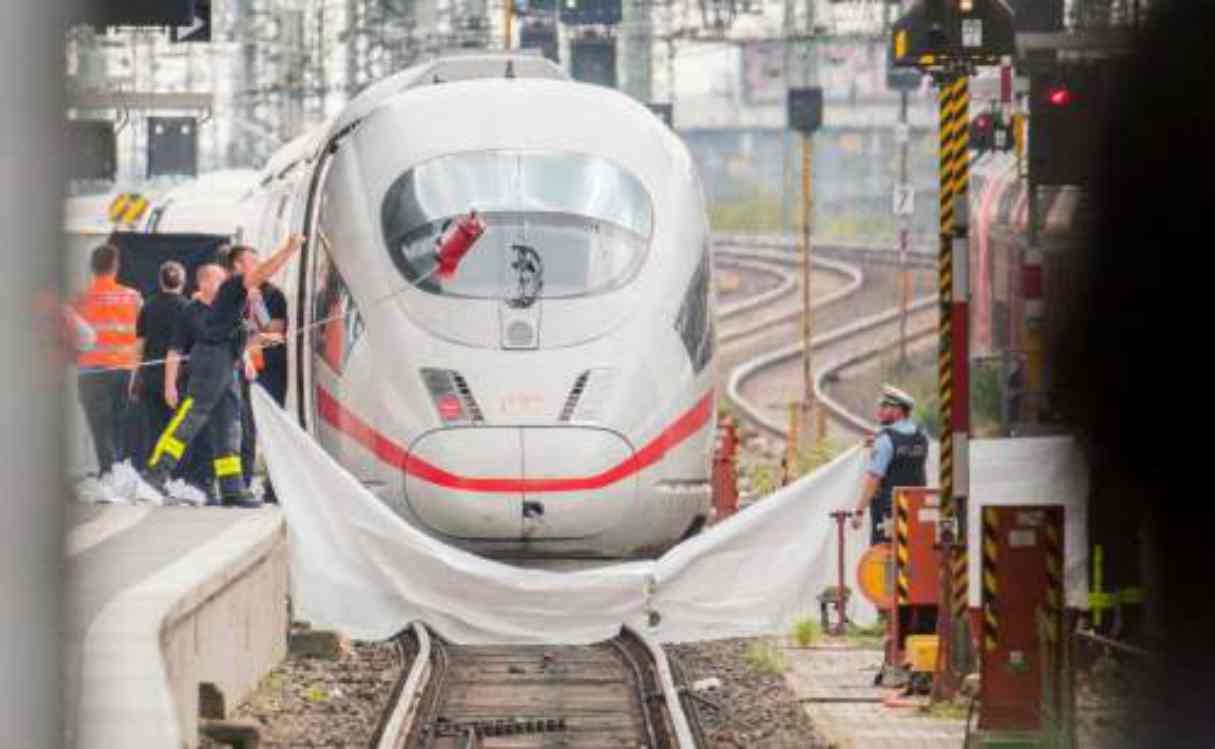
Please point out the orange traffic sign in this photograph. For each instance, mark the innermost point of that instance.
(873, 575)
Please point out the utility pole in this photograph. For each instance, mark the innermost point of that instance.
(807, 310)
(787, 31)
(903, 135)
(636, 34)
(809, 79)
(508, 13)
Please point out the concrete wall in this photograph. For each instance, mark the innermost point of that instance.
(230, 630)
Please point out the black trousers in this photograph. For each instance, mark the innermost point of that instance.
(879, 513)
(248, 446)
(195, 465)
(103, 394)
(212, 404)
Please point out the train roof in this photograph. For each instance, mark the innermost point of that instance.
(447, 69)
(530, 115)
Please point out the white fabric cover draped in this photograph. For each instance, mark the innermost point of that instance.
(358, 568)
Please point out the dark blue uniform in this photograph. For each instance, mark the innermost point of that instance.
(900, 456)
(212, 397)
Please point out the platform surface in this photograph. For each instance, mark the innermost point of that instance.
(835, 687)
(125, 566)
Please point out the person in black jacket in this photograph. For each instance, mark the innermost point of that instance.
(154, 327)
(195, 466)
(214, 389)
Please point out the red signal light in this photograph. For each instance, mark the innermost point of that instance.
(1059, 96)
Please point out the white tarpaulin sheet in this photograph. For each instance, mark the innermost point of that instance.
(358, 568)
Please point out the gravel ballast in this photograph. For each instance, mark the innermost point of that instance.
(757, 708)
(318, 702)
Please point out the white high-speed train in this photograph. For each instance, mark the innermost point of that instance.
(556, 394)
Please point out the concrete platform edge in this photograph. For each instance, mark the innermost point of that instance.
(218, 614)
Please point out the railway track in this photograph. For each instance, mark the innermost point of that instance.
(616, 693)
(843, 346)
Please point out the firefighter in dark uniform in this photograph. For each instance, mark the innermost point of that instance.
(214, 388)
(900, 456)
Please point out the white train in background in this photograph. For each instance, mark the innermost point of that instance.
(555, 396)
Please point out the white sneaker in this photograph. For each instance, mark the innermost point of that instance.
(146, 493)
(184, 493)
(111, 486)
(94, 490)
(122, 480)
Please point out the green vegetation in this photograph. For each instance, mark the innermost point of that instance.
(945, 710)
(765, 479)
(758, 212)
(761, 212)
(814, 456)
(274, 682)
(985, 398)
(920, 383)
(726, 407)
(805, 631)
(766, 657)
(315, 694)
(869, 638)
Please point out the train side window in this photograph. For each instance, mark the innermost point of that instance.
(339, 325)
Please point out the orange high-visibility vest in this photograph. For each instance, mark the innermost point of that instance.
(111, 309)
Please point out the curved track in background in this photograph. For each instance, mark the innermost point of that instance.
(842, 346)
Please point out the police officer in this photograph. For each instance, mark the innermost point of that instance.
(214, 389)
(900, 455)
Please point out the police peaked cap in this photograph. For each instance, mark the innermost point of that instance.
(892, 396)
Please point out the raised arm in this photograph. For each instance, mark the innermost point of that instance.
(272, 264)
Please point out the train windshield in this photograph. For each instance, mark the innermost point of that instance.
(582, 222)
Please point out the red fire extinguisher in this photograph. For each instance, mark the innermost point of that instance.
(455, 243)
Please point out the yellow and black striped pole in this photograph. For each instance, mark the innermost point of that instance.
(902, 532)
(952, 294)
(991, 556)
(1053, 608)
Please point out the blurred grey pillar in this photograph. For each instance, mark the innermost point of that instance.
(31, 506)
(636, 53)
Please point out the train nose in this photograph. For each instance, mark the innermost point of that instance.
(522, 482)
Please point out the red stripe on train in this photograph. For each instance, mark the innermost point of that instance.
(337, 416)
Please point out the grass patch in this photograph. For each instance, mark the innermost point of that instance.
(760, 211)
(805, 631)
(726, 408)
(765, 479)
(315, 694)
(766, 657)
(869, 638)
(275, 682)
(815, 456)
(945, 710)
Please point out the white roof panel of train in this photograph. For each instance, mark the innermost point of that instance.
(461, 67)
(526, 114)
(448, 70)
(214, 186)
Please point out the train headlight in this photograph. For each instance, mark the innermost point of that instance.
(452, 398)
